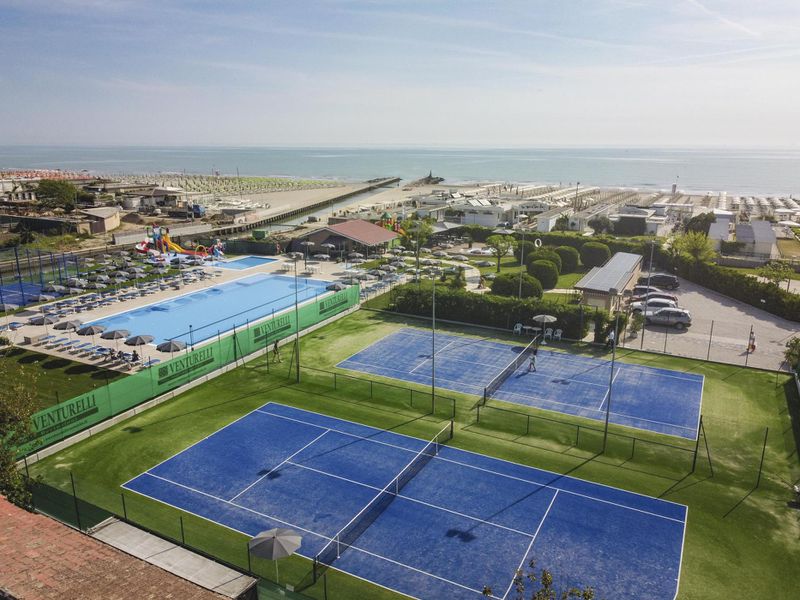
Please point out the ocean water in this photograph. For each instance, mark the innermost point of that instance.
(737, 171)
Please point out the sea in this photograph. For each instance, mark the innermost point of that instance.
(737, 171)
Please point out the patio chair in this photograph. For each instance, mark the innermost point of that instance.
(548, 333)
(518, 329)
(557, 335)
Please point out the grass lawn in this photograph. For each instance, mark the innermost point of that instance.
(58, 378)
(754, 272)
(740, 541)
(789, 248)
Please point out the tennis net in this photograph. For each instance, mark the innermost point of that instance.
(515, 364)
(367, 515)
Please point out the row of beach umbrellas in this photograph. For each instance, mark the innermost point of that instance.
(112, 334)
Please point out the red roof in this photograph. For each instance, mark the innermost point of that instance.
(363, 232)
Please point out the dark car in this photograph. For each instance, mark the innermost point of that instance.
(663, 280)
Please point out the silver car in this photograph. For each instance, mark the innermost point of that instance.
(652, 304)
(679, 318)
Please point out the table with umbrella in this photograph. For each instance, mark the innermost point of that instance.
(275, 544)
(171, 346)
(91, 330)
(542, 320)
(116, 335)
(307, 244)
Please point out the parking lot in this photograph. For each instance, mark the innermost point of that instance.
(720, 331)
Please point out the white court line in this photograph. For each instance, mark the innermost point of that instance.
(477, 387)
(411, 499)
(276, 467)
(613, 379)
(541, 485)
(533, 539)
(292, 525)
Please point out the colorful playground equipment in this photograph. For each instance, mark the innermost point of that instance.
(158, 242)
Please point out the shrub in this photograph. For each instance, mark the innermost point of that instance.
(491, 310)
(507, 284)
(569, 258)
(525, 247)
(546, 254)
(545, 271)
(594, 254)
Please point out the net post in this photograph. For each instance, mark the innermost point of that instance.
(763, 452)
(452, 428)
(75, 500)
(697, 444)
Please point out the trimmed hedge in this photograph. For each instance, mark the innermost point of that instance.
(493, 311)
(546, 254)
(507, 284)
(545, 271)
(594, 254)
(525, 248)
(569, 258)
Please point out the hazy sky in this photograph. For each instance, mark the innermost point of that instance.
(452, 73)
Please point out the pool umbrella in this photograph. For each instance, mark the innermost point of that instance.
(115, 334)
(395, 251)
(96, 285)
(52, 287)
(307, 244)
(401, 248)
(544, 320)
(355, 255)
(42, 320)
(440, 253)
(322, 256)
(357, 261)
(102, 278)
(74, 290)
(295, 255)
(91, 330)
(336, 287)
(76, 282)
(6, 307)
(68, 325)
(328, 245)
(387, 268)
(139, 340)
(42, 298)
(171, 346)
(137, 270)
(275, 544)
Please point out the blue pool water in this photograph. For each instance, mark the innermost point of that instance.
(243, 262)
(215, 309)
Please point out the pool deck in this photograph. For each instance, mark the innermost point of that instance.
(323, 271)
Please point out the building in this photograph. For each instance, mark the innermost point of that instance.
(102, 219)
(757, 238)
(603, 287)
(546, 221)
(355, 235)
(720, 231)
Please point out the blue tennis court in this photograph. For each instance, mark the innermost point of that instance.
(464, 521)
(19, 293)
(643, 397)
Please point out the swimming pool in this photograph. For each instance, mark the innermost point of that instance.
(243, 262)
(200, 315)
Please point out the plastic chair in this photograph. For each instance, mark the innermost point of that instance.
(548, 333)
(557, 335)
(518, 329)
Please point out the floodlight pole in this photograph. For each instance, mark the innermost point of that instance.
(647, 294)
(297, 328)
(521, 262)
(433, 344)
(611, 380)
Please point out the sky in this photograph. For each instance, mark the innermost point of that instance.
(457, 73)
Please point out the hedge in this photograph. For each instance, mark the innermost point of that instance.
(494, 311)
(507, 284)
(525, 248)
(594, 254)
(545, 271)
(569, 258)
(546, 254)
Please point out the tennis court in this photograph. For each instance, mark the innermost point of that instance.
(19, 293)
(459, 522)
(648, 398)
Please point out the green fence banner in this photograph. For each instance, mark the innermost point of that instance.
(77, 414)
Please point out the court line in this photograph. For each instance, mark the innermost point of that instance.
(362, 371)
(608, 391)
(294, 526)
(412, 499)
(536, 483)
(533, 539)
(275, 468)
(434, 354)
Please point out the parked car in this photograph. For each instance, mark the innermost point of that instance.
(679, 318)
(654, 295)
(639, 290)
(653, 303)
(662, 280)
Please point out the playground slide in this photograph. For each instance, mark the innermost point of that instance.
(176, 248)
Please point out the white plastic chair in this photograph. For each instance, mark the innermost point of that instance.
(548, 333)
(518, 329)
(557, 335)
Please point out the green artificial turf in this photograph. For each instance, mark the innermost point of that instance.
(740, 541)
(57, 378)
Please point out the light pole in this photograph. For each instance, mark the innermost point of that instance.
(647, 293)
(611, 380)
(433, 341)
(297, 328)
(521, 262)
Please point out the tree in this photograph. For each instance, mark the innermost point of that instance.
(542, 587)
(792, 353)
(700, 223)
(546, 254)
(415, 232)
(562, 223)
(459, 279)
(695, 246)
(600, 224)
(545, 271)
(594, 254)
(500, 244)
(525, 248)
(507, 284)
(569, 258)
(53, 193)
(776, 272)
(17, 405)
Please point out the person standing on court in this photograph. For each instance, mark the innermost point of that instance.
(611, 339)
(532, 361)
(276, 353)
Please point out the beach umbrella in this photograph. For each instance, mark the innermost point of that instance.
(407, 253)
(401, 248)
(42, 298)
(328, 245)
(355, 255)
(358, 261)
(68, 325)
(543, 319)
(91, 330)
(322, 256)
(295, 255)
(139, 340)
(76, 282)
(96, 285)
(440, 253)
(42, 320)
(74, 290)
(115, 334)
(171, 346)
(120, 279)
(137, 270)
(389, 268)
(6, 307)
(395, 251)
(336, 287)
(52, 287)
(425, 250)
(275, 544)
(102, 278)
